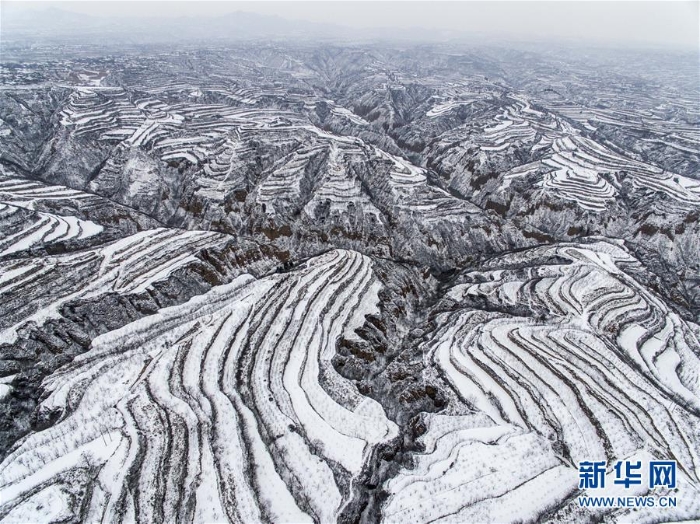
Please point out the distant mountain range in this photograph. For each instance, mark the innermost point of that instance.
(58, 24)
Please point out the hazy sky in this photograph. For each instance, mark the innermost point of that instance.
(674, 23)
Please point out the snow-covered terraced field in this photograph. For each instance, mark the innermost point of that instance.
(223, 408)
(409, 187)
(602, 370)
(25, 193)
(569, 165)
(24, 227)
(511, 127)
(174, 131)
(349, 115)
(445, 107)
(102, 110)
(575, 179)
(680, 136)
(127, 266)
(574, 166)
(579, 163)
(42, 229)
(339, 190)
(283, 185)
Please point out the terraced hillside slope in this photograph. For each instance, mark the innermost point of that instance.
(301, 283)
